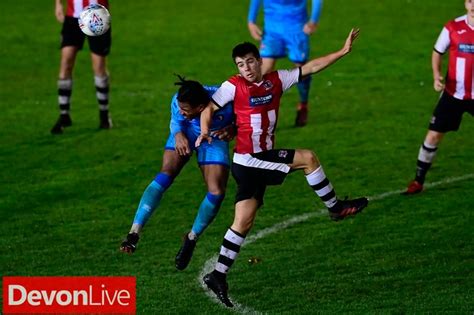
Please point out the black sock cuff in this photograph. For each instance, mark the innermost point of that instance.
(243, 236)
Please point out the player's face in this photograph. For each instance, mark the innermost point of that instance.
(469, 4)
(249, 67)
(188, 112)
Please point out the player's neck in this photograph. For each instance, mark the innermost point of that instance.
(470, 20)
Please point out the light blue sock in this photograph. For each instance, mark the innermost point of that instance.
(303, 89)
(207, 212)
(151, 198)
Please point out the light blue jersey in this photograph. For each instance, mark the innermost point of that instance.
(215, 153)
(282, 16)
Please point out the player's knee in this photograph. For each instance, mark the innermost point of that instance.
(434, 137)
(309, 158)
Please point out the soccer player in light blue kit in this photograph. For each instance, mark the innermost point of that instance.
(286, 32)
(213, 160)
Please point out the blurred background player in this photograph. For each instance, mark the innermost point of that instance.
(286, 31)
(256, 164)
(457, 37)
(72, 40)
(213, 160)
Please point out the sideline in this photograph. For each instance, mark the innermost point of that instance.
(243, 309)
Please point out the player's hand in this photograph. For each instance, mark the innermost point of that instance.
(255, 31)
(202, 138)
(59, 12)
(181, 144)
(438, 84)
(350, 39)
(226, 134)
(310, 27)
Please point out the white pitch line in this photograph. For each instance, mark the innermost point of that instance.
(242, 309)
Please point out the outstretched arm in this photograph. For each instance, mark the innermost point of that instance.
(318, 64)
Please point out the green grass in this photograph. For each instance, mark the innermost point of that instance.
(67, 201)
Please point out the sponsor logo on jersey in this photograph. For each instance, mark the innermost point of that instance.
(260, 100)
(466, 48)
(461, 32)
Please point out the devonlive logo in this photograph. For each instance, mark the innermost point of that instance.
(69, 295)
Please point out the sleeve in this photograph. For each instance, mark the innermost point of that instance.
(443, 42)
(253, 10)
(177, 121)
(289, 78)
(224, 94)
(316, 10)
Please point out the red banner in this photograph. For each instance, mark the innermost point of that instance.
(69, 295)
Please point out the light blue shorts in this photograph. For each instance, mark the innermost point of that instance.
(215, 153)
(293, 45)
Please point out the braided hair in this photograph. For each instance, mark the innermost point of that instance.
(191, 92)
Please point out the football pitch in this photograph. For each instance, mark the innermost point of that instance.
(67, 201)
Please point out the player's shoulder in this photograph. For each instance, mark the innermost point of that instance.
(456, 23)
(235, 79)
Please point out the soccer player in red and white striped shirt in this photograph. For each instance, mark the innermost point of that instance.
(457, 38)
(256, 163)
(72, 40)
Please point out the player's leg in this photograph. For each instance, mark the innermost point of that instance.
(268, 64)
(214, 162)
(272, 48)
(100, 48)
(249, 197)
(215, 177)
(171, 167)
(245, 212)
(71, 42)
(307, 161)
(446, 117)
(298, 52)
(426, 155)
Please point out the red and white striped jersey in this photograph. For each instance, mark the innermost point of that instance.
(74, 7)
(457, 36)
(256, 107)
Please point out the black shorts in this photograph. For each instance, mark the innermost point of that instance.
(448, 113)
(71, 35)
(253, 180)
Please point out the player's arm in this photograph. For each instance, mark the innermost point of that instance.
(226, 134)
(206, 121)
(254, 29)
(177, 128)
(436, 64)
(312, 25)
(319, 64)
(441, 46)
(59, 11)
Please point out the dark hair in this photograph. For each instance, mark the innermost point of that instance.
(191, 92)
(244, 48)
